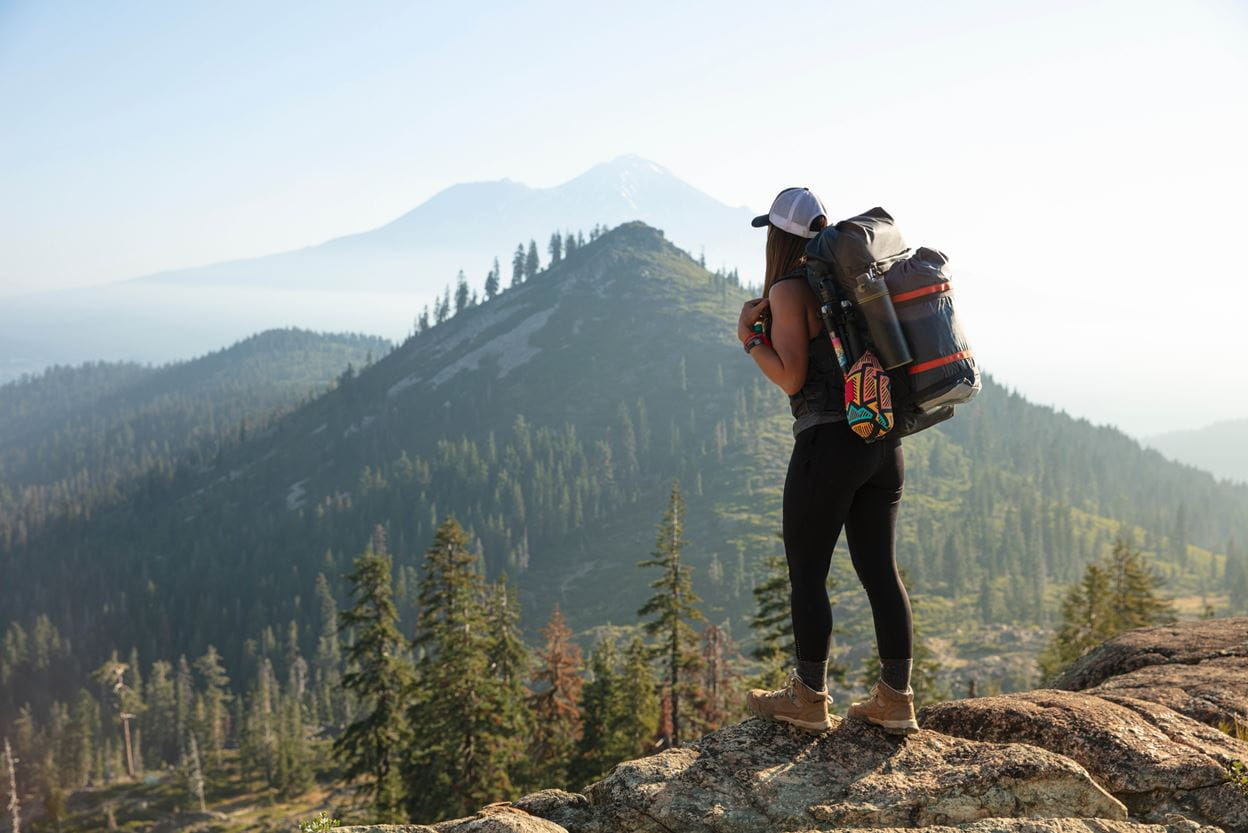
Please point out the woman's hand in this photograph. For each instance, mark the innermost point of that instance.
(751, 312)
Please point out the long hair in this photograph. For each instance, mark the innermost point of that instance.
(785, 252)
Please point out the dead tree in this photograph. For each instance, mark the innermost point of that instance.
(15, 804)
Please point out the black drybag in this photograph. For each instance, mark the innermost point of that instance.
(943, 372)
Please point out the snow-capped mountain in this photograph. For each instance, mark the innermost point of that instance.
(465, 226)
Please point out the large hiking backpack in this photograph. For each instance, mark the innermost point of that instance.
(943, 372)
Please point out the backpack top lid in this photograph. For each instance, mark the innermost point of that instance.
(849, 248)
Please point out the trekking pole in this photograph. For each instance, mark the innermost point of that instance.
(835, 312)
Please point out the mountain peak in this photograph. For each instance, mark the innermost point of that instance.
(633, 162)
(629, 169)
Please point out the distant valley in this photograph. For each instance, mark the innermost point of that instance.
(373, 282)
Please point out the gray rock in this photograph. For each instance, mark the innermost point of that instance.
(1213, 691)
(571, 810)
(763, 776)
(1151, 758)
(501, 817)
(1183, 643)
(1183, 729)
(1039, 826)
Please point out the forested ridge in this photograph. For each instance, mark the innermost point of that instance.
(550, 420)
(75, 438)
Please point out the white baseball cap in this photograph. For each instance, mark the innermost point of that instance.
(794, 210)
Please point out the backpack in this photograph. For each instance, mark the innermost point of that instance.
(942, 373)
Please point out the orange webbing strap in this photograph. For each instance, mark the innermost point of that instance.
(920, 292)
(942, 361)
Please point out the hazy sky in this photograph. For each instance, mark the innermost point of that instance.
(1091, 152)
(144, 136)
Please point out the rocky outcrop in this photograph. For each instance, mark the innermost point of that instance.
(1129, 728)
(762, 776)
(1199, 669)
(1037, 826)
(1066, 825)
(1184, 643)
(1214, 691)
(1153, 759)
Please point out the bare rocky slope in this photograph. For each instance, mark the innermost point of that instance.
(1126, 743)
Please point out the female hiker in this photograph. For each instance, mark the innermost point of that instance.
(834, 479)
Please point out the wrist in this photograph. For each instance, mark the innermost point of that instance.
(756, 340)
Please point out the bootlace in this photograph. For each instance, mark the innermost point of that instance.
(789, 690)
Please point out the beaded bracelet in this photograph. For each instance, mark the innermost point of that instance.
(755, 340)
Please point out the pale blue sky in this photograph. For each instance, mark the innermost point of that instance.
(144, 136)
(1082, 163)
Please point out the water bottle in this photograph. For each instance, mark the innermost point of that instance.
(873, 301)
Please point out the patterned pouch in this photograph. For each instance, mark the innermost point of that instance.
(868, 399)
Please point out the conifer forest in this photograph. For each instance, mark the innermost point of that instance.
(537, 537)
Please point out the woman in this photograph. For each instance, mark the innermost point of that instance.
(834, 479)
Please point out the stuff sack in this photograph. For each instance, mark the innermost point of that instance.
(868, 398)
(942, 372)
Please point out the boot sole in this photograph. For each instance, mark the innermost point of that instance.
(893, 727)
(809, 725)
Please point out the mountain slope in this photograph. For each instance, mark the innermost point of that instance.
(1221, 448)
(551, 421)
(72, 438)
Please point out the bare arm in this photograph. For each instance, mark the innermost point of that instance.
(784, 362)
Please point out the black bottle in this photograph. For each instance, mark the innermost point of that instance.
(873, 301)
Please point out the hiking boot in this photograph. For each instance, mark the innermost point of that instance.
(796, 703)
(886, 706)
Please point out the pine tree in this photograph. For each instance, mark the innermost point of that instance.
(380, 677)
(601, 744)
(638, 717)
(442, 307)
(258, 745)
(531, 262)
(458, 757)
(84, 723)
(215, 690)
(674, 607)
(771, 623)
(509, 667)
(327, 666)
(555, 248)
(461, 292)
(1115, 594)
(556, 704)
(517, 265)
(1133, 589)
(295, 776)
(195, 774)
(492, 281)
(161, 717)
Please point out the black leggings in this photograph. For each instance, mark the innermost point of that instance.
(836, 479)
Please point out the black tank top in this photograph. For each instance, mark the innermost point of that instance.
(822, 396)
